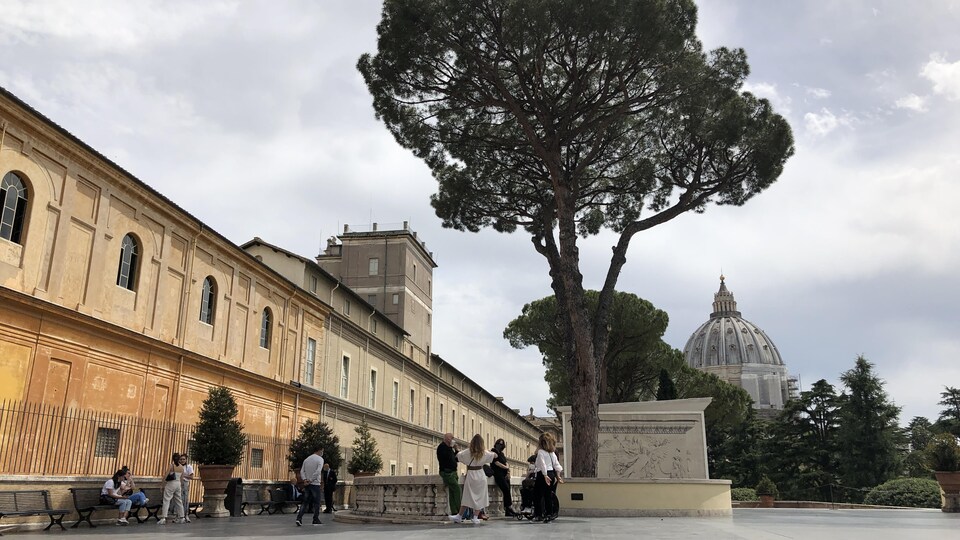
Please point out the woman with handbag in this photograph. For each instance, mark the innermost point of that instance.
(172, 491)
(475, 497)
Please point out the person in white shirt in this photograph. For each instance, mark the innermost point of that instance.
(312, 474)
(185, 479)
(110, 494)
(548, 476)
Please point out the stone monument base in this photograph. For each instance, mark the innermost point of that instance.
(668, 497)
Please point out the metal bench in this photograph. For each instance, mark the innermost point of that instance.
(30, 503)
(280, 495)
(87, 501)
(154, 502)
(252, 496)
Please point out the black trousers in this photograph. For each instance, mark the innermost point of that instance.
(328, 496)
(544, 495)
(503, 482)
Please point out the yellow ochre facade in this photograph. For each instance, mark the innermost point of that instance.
(114, 299)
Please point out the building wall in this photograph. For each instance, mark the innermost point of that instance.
(69, 335)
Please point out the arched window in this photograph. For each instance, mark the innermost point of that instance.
(208, 300)
(127, 272)
(13, 197)
(265, 321)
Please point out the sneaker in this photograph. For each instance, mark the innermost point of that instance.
(484, 516)
(318, 522)
(475, 520)
(186, 519)
(456, 518)
(298, 523)
(162, 521)
(145, 501)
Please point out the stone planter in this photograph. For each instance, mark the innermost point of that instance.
(766, 501)
(215, 479)
(950, 484)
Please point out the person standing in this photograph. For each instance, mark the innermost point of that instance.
(447, 460)
(501, 475)
(475, 496)
(185, 479)
(329, 486)
(548, 476)
(312, 474)
(171, 492)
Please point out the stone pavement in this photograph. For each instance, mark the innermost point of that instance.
(746, 524)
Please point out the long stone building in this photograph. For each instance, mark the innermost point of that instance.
(115, 299)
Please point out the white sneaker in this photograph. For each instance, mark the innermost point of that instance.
(162, 521)
(145, 501)
(475, 520)
(456, 518)
(186, 519)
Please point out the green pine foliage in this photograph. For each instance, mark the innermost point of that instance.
(911, 492)
(666, 389)
(366, 457)
(218, 437)
(943, 453)
(311, 435)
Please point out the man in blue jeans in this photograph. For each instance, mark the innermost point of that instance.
(447, 459)
(312, 476)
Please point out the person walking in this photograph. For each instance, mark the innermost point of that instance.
(475, 496)
(329, 486)
(447, 460)
(548, 476)
(501, 476)
(171, 492)
(185, 479)
(311, 473)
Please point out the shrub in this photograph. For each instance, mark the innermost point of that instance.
(766, 487)
(218, 438)
(313, 434)
(744, 494)
(943, 452)
(366, 457)
(912, 492)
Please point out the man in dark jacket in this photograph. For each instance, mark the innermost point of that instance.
(329, 486)
(447, 459)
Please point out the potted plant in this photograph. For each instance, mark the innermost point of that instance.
(943, 456)
(365, 460)
(218, 443)
(311, 435)
(767, 491)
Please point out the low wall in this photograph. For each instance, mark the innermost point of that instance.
(422, 497)
(604, 497)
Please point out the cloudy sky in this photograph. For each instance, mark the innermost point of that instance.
(252, 117)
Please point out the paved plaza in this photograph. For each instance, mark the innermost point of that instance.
(747, 524)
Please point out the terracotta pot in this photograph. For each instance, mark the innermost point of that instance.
(215, 478)
(950, 484)
(766, 501)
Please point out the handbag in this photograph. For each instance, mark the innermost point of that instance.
(488, 470)
(170, 477)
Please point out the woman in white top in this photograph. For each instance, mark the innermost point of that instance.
(475, 483)
(185, 479)
(171, 491)
(110, 494)
(548, 476)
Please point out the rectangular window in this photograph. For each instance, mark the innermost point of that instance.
(313, 284)
(372, 300)
(373, 326)
(346, 307)
(256, 458)
(453, 421)
(414, 273)
(463, 425)
(440, 419)
(344, 376)
(429, 287)
(311, 361)
(396, 299)
(108, 442)
(395, 408)
(374, 267)
(413, 401)
(396, 340)
(426, 417)
(409, 469)
(393, 468)
(429, 318)
(372, 400)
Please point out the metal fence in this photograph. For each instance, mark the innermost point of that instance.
(45, 440)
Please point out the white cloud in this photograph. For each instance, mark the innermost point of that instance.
(912, 102)
(822, 123)
(769, 91)
(819, 93)
(944, 75)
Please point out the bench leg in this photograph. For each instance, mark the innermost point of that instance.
(153, 514)
(55, 521)
(82, 518)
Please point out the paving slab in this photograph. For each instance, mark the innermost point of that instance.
(745, 524)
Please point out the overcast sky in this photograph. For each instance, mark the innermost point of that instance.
(252, 117)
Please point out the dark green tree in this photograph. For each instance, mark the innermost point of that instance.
(665, 388)
(311, 435)
(218, 437)
(803, 449)
(366, 458)
(919, 432)
(634, 357)
(870, 437)
(565, 117)
(950, 415)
